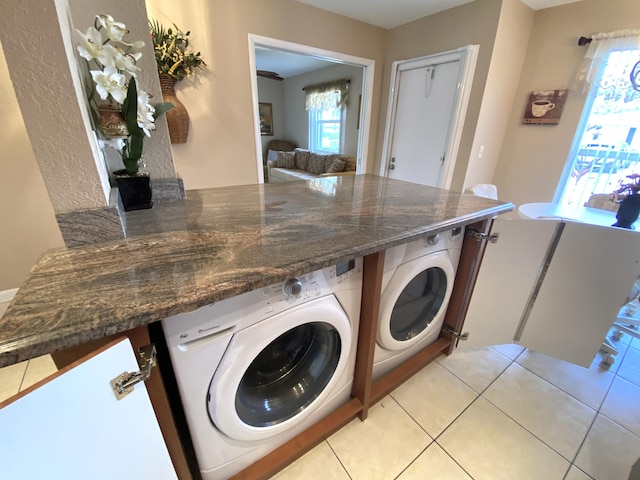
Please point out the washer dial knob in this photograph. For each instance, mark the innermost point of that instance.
(433, 239)
(292, 287)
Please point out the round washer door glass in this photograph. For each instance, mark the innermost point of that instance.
(288, 374)
(418, 304)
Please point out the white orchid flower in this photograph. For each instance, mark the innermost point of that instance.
(145, 113)
(110, 82)
(90, 46)
(115, 30)
(126, 61)
(117, 143)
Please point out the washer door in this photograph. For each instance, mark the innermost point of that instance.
(275, 373)
(415, 300)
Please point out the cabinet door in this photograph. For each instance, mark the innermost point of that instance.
(72, 426)
(555, 287)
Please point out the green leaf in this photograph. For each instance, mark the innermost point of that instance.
(130, 109)
(162, 108)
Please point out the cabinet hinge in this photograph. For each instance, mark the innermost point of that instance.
(477, 234)
(123, 384)
(448, 329)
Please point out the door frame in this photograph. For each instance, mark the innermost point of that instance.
(367, 64)
(467, 56)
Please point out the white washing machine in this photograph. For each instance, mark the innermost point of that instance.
(257, 369)
(416, 287)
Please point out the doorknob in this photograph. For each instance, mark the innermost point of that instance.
(392, 167)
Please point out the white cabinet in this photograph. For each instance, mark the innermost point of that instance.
(553, 286)
(73, 427)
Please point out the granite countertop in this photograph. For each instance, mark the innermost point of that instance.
(217, 244)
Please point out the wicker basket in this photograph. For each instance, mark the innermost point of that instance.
(177, 117)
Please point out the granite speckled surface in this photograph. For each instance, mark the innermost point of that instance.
(217, 244)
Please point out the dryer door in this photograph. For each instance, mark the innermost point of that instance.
(277, 372)
(415, 300)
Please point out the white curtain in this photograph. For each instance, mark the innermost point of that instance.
(597, 56)
(326, 96)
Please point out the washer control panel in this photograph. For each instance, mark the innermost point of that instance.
(248, 308)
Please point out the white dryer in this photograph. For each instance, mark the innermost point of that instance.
(416, 287)
(257, 369)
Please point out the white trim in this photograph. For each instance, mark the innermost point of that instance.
(7, 295)
(367, 91)
(468, 57)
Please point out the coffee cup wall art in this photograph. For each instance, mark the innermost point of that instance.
(544, 107)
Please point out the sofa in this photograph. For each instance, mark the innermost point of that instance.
(301, 164)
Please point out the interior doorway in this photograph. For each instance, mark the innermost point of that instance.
(364, 119)
(427, 106)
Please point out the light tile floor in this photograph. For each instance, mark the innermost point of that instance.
(19, 376)
(493, 413)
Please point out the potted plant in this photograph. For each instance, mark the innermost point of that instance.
(628, 196)
(120, 109)
(176, 60)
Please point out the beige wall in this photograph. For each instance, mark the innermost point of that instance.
(28, 223)
(473, 23)
(533, 156)
(221, 146)
(509, 51)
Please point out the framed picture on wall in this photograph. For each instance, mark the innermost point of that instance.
(544, 107)
(266, 119)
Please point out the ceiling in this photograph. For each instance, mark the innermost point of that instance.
(392, 13)
(287, 64)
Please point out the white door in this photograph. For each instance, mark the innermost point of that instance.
(73, 427)
(555, 287)
(429, 98)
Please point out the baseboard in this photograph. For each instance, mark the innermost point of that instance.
(7, 295)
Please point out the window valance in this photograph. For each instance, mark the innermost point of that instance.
(597, 57)
(327, 95)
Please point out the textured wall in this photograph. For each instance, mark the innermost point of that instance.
(37, 60)
(27, 222)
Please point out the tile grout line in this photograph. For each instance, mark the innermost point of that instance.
(338, 458)
(24, 375)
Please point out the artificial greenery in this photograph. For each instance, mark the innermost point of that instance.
(174, 55)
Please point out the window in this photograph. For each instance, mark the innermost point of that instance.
(326, 104)
(326, 130)
(606, 147)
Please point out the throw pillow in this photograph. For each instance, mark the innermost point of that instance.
(328, 159)
(286, 160)
(336, 166)
(302, 158)
(316, 163)
(272, 155)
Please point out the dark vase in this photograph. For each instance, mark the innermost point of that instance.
(628, 212)
(135, 190)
